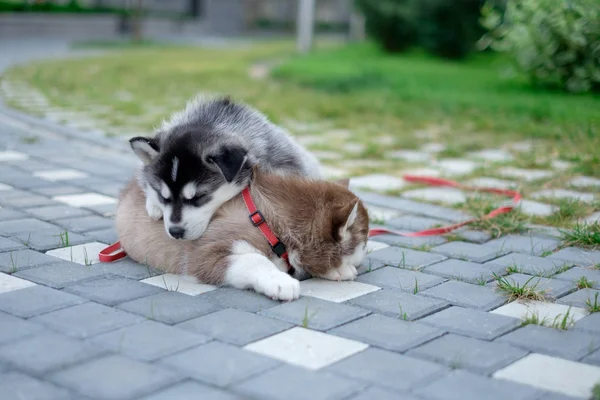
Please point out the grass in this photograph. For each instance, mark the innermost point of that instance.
(561, 321)
(596, 392)
(515, 290)
(504, 224)
(401, 314)
(583, 235)
(593, 306)
(306, 319)
(584, 283)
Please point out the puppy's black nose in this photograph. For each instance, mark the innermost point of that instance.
(177, 232)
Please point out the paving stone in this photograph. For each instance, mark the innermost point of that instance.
(384, 368)
(411, 242)
(107, 236)
(472, 323)
(9, 155)
(60, 174)
(467, 251)
(551, 288)
(536, 208)
(106, 210)
(456, 166)
(485, 182)
(218, 364)
(7, 214)
(414, 223)
(466, 295)
(399, 305)
(336, 292)
(462, 385)
(9, 245)
(47, 351)
(392, 333)
(561, 165)
(492, 155)
(35, 300)
(88, 319)
(114, 377)
(85, 199)
(19, 328)
(60, 274)
(412, 156)
(23, 225)
(527, 175)
(471, 235)
(49, 239)
(58, 190)
(247, 300)
(28, 201)
(112, 290)
(179, 283)
(84, 224)
(593, 358)
(19, 260)
(374, 392)
(581, 298)
(397, 278)
(465, 271)
(17, 386)
(595, 217)
(570, 344)
(10, 283)
(442, 195)
(85, 254)
(548, 313)
(170, 307)
(377, 182)
(293, 383)
(531, 265)
(149, 340)
(127, 268)
(531, 245)
(191, 390)
(576, 273)
(591, 323)
(577, 257)
(553, 374)
(422, 172)
(405, 258)
(373, 245)
(584, 181)
(315, 313)
(381, 213)
(563, 194)
(50, 213)
(235, 326)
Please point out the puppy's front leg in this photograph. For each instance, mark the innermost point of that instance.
(153, 209)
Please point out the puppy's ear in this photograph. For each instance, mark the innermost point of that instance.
(145, 148)
(343, 219)
(344, 182)
(230, 161)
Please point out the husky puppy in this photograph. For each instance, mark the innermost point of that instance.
(201, 158)
(323, 225)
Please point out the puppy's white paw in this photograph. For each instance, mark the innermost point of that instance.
(279, 287)
(332, 275)
(153, 210)
(347, 272)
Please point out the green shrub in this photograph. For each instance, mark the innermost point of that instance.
(555, 42)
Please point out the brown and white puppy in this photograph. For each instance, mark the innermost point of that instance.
(323, 225)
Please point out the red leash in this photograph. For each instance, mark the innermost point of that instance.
(114, 252)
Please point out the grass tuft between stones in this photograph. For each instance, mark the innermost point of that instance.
(516, 291)
(583, 235)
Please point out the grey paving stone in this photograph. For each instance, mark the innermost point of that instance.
(459, 352)
(13, 261)
(414, 223)
(128, 268)
(7, 214)
(149, 340)
(19, 328)
(10, 245)
(531, 245)
(387, 369)
(368, 265)
(106, 210)
(49, 239)
(24, 225)
(390, 333)
(576, 273)
(410, 241)
(246, 300)
(219, 364)
(293, 383)
(373, 393)
(405, 258)
(61, 274)
(465, 271)
(397, 278)
(577, 257)
(88, 319)
(591, 323)
(462, 385)
(527, 264)
(35, 300)
(112, 290)
(466, 295)
(170, 307)
(107, 236)
(581, 298)
(552, 288)
(47, 351)
(84, 224)
(570, 344)
(114, 377)
(474, 236)
(320, 314)
(235, 326)
(191, 390)
(28, 201)
(50, 213)
(17, 386)
(59, 190)
(472, 323)
(398, 304)
(593, 358)
(468, 251)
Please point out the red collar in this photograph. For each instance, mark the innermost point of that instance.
(258, 220)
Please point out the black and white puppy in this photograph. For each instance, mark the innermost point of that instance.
(203, 156)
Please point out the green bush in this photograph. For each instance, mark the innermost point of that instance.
(555, 42)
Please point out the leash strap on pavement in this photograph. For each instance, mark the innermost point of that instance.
(112, 253)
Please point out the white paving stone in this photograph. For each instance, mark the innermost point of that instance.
(521, 146)
(364, 163)
(60, 174)
(327, 155)
(413, 156)
(433, 147)
(306, 348)
(354, 147)
(422, 172)
(384, 140)
(585, 181)
(554, 374)
(536, 208)
(563, 194)
(179, 283)
(560, 165)
(547, 312)
(381, 213)
(339, 133)
(84, 254)
(525, 174)
(456, 166)
(333, 172)
(377, 182)
(311, 140)
(85, 199)
(373, 245)
(334, 291)
(12, 156)
(5, 187)
(492, 155)
(9, 283)
(443, 195)
(485, 182)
